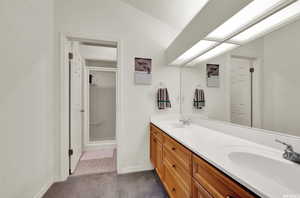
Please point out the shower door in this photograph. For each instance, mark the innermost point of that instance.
(240, 92)
(102, 106)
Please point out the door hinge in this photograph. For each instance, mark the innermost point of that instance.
(70, 55)
(251, 69)
(71, 152)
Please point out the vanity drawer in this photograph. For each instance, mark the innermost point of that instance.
(182, 155)
(215, 182)
(183, 176)
(156, 132)
(173, 187)
(199, 191)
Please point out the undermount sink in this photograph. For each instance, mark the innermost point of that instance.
(174, 124)
(280, 170)
(178, 125)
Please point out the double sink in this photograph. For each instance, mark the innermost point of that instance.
(260, 168)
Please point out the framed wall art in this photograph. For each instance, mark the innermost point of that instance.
(213, 75)
(143, 71)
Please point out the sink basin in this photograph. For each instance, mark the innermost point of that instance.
(174, 124)
(281, 171)
(177, 125)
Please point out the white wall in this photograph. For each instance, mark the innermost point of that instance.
(142, 36)
(28, 116)
(281, 80)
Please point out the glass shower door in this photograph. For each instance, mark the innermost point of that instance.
(102, 106)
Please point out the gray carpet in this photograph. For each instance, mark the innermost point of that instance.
(109, 185)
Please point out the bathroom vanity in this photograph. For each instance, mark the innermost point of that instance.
(185, 174)
(196, 161)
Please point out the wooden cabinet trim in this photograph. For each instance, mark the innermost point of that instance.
(158, 133)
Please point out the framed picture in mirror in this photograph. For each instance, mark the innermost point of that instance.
(212, 74)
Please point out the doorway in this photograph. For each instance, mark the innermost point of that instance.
(91, 99)
(245, 91)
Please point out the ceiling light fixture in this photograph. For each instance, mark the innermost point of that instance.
(244, 17)
(271, 23)
(196, 50)
(220, 49)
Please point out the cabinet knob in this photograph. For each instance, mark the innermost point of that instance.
(173, 189)
(173, 148)
(174, 166)
(229, 196)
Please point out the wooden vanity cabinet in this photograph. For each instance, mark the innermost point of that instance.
(156, 151)
(186, 175)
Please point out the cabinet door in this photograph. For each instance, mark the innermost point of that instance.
(199, 191)
(173, 187)
(159, 158)
(153, 150)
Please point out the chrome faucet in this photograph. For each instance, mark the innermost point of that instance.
(185, 121)
(289, 152)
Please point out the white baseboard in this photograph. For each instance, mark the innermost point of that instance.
(44, 189)
(59, 179)
(134, 169)
(100, 145)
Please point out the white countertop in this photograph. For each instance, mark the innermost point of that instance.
(259, 168)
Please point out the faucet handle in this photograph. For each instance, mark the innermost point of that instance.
(288, 146)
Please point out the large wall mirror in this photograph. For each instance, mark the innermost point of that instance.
(256, 84)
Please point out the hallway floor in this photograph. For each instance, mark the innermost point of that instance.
(109, 185)
(96, 162)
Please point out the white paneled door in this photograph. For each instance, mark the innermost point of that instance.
(240, 92)
(76, 107)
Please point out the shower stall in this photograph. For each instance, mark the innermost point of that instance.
(102, 106)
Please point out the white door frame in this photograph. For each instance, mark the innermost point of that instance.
(64, 85)
(90, 145)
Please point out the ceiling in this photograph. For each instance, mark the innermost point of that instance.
(175, 13)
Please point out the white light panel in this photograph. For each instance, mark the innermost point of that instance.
(248, 14)
(224, 47)
(197, 49)
(280, 18)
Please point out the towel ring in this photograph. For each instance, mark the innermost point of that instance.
(161, 85)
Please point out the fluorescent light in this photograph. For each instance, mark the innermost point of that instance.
(197, 49)
(224, 47)
(275, 21)
(248, 14)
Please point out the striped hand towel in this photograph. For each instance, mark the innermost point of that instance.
(163, 100)
(199, 99)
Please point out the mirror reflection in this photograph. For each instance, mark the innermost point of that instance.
(255, 85)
